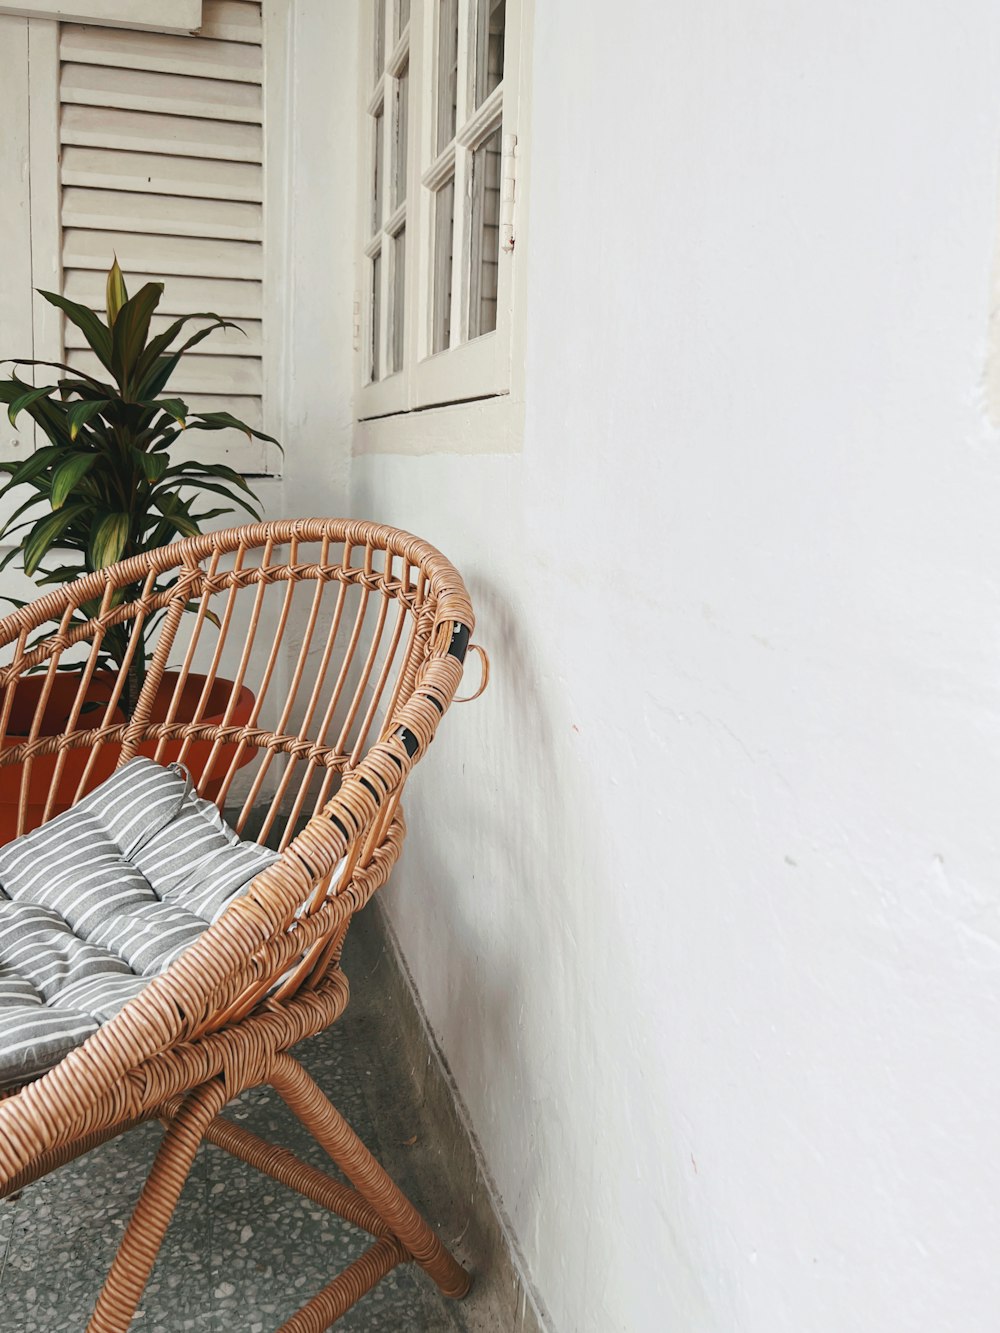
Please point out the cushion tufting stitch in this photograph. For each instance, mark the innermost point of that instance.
(102, 898)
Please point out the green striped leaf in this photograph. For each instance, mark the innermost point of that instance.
(128, 338)
(45, 534)
(174, 407)
(116, 292)
(153, 465)
(109, 540)
(33, 466)
(26, 400)
(67, 475)
(226, 421)
(97, 333)
(78, 414)
(158, 347)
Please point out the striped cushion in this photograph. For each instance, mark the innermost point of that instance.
(102, 898)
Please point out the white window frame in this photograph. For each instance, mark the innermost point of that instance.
(470, 368)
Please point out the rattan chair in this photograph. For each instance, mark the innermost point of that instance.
(352, 637)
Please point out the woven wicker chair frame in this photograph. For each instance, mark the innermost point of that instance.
(369, 679)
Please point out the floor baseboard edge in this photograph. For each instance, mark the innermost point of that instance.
(504, 1298)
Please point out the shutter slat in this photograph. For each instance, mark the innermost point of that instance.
(124, 49)
(223, 446)
(232, 20)
(162, 215)
(157, 173)
(244, 409)
(141, 131)
(244, 341)
(181, 296)
(138, 90)
(188, 255)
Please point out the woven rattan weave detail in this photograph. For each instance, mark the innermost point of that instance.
(351, 637)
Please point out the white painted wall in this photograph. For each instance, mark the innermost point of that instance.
(702, 898)
(311, 168)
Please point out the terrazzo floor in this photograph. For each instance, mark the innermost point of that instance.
(242, 1252)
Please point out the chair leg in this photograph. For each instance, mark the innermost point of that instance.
(347, 1288)
(128, 1275)
(372, 1182)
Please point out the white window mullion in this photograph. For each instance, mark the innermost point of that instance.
(460, 236)
(386, 193)
(396, 230)
(378, 46)
(460, 250)
(423, 47)
(466, 60)
(381, 389)
(507, 258)
(410, 16)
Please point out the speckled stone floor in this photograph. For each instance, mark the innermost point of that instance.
(242, 1252)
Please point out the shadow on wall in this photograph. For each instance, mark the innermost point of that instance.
(501, 832)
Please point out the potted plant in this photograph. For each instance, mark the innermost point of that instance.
(102, 488)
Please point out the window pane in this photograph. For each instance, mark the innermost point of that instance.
(376, 295)
(379, 38)
(402, 126)
(491, 23)
(447, 72)
(378, 122)
(398, 300)
(444, 232)
(485, 236)
(402, 15)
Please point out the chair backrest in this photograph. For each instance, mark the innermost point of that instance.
(265, 658)
(297, 668)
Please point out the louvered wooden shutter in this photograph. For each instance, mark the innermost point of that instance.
(162, 164)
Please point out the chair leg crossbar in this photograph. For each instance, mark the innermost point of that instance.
(374, 1204)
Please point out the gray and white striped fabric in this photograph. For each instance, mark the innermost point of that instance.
(102, 898)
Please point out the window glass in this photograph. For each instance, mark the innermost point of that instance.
(444, 234)
(485, 236)
(376, 296)
(379, 38)
(377, 170)
(398, 300)
(402, 131)
(491, 22)
(447, 73)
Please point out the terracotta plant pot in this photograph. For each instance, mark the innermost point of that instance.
(57, 711)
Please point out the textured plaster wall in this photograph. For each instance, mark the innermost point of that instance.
(702, 896)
